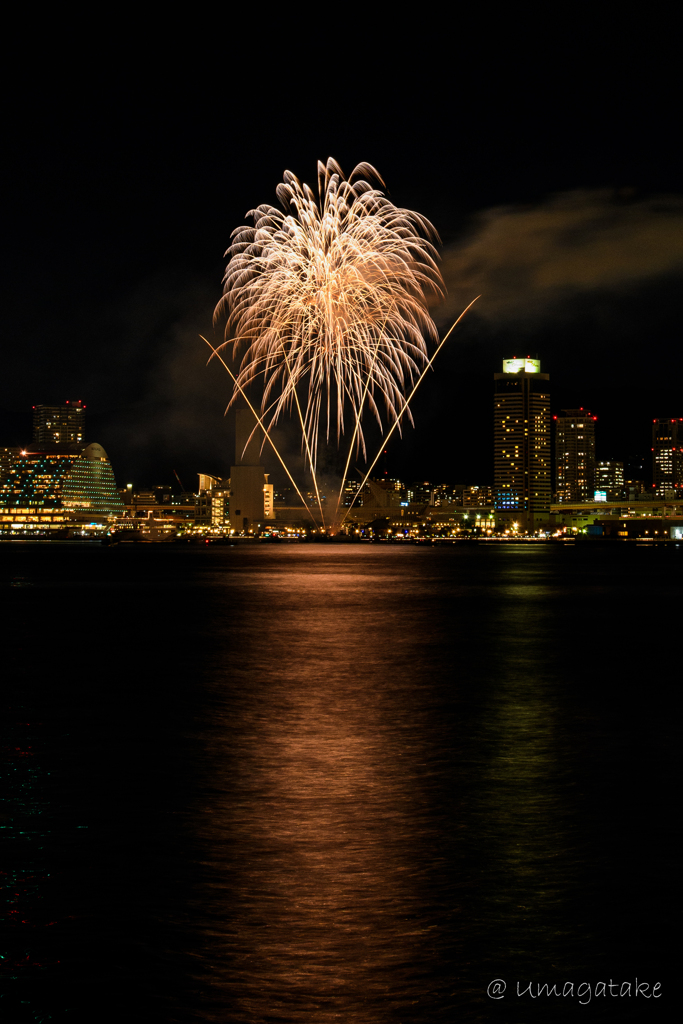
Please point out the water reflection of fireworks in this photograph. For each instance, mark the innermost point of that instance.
(328, 303)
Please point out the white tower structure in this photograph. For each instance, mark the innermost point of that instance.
(251, 496)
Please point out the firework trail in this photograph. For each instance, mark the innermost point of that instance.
(327, 301)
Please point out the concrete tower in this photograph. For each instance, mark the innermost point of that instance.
(251, 496)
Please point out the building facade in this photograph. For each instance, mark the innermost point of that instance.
(575, 455)
(522, 484)
(609, 481)
(49, 488)
(667, 458)
(212, 502)
(59, 424)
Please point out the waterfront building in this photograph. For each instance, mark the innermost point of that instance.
(654, 528)
(8, 459)
(59, 424)
(156, 510)
(581, 514)
(381, 494)
(477, 496)
(420, 492)
(609, 480)
(143, 502)
(446, 494)
(463, 495)
(155, 502)
(163, 493)
(209, 483)
(575, 455)
(183, 507)
(53, 487)
(667, 457)
(522, 443)
(268, 499)
(212, 502)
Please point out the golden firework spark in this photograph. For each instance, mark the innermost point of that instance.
(327, 300)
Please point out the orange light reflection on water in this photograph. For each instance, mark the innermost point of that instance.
(325, 922)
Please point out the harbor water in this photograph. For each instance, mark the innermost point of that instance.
(339, 783)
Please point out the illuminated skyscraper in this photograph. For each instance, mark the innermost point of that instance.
(59, 424)
(575, 455)
(667, 458)
(522, 443)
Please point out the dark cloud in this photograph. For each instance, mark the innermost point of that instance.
(170, 412)
(526, 262)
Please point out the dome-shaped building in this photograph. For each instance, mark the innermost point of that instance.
(45, 489)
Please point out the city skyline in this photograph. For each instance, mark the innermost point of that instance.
(51, 480)
(65, 423)
(143, 429)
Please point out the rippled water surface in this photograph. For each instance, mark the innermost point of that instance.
(329, 783)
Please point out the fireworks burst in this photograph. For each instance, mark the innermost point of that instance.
(328, 303)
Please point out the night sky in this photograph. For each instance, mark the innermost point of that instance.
(551, 172)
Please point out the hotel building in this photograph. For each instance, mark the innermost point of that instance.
(46, 489)
(522, 444)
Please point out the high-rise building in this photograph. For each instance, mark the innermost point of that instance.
(575, 455)
(609, 480)
(667, 458)
(59, 424)
(522, 443)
